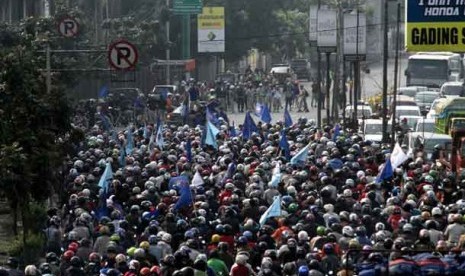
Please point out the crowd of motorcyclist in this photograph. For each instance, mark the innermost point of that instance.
(336, 218)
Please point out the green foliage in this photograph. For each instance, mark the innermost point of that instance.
(28, 253)
(273, 26)
(35, 217)
(34, 123)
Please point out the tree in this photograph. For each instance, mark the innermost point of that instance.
(35, 124)
(272, 26)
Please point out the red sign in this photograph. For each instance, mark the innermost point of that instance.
(68, 27)
(122, 55)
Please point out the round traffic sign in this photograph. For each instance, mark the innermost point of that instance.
(68, 27)
(122, 55)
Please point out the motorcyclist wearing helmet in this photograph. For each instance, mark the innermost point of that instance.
(330, 262)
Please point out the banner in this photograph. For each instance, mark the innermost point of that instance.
(313, 22)
(435, 26)
(327, 28)
(210, 26)
(352, 45)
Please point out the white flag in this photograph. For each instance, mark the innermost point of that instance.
(197, 180)
(398, 156)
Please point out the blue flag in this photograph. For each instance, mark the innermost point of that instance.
(159, 141)
(287, 118)
(210, 135)
(177, 182)
(273, 211)
(129, 142)
(189, 150)
(386, 172)
(258, 110)
(103, 92)
(185, 198)
(263, 112)
(211, 116)
(284, 145)
(301, 156)
(105, 178)
(146, 133)
(265, 116)
(249, 126)
(232, 130)
(185, 113)
(337, 132)
(122, 157)
(229, 173)
(105, 122)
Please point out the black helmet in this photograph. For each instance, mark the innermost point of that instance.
(75, 261)
(45, 268)
(12, 262)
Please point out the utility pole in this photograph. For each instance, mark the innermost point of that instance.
(338, 79)
(168, 54)
(328, 86)
(396, 69)
(48, 80)
(385, 79)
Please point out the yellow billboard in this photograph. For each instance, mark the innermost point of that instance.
(210, 28)
(435, 26)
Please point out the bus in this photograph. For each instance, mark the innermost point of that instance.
(433, 69)
(447, 111)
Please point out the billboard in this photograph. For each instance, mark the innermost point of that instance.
(352, 45)
(327, 28)
(435, 26)
(313, 21)
(210, 27)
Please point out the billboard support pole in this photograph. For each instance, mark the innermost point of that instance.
(168, 54)
(318, 114)
(396, 69)
(385, 79)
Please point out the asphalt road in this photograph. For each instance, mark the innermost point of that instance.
(371, 84)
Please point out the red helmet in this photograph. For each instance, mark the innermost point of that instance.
(73, 246)
(144, 271)
(155, 269)
(68, 255)
(94, 257)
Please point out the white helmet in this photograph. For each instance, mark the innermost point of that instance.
(348, 231)
(350, 182)
(379, 226)
(302, 236)
(436, 211)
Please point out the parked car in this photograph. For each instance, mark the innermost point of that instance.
(425, 99)
(281, 72)
(407, 110)
(227, 77)
(373, 130)
(428, 140)
(168, 88)
(363, 111)
(301, 67)
(432, 110)
(452, 89)
(425, 125)
(411, 91)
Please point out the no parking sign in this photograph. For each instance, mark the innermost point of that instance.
(122, 55)
(68, 27)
